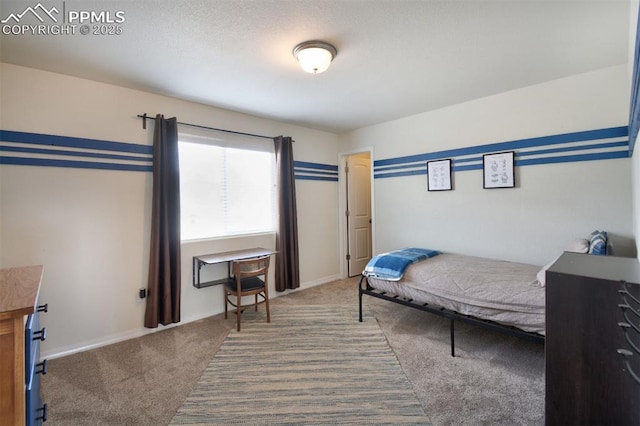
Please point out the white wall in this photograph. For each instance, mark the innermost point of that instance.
(551, 205)
(90, 228)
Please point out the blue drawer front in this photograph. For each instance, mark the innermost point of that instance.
(34, 407)
(32, 344)
(33, 336)
(35, 410)
(30, 355)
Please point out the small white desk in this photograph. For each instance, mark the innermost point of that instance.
(226, 256)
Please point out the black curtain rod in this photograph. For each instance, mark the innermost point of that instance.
(146, 117)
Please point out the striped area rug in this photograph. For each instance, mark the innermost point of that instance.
(310, 365)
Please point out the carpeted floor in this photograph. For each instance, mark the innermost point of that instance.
(494, 379)
(310, 365)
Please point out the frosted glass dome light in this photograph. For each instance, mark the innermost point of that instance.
(314, 56)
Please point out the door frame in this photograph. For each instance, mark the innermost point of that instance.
(342, 206)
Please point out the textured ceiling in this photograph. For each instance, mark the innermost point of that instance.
(395, 58)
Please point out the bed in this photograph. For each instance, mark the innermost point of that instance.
(504, 296)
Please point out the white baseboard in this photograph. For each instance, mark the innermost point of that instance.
(132, 334)
(114, 338)
(313, 283)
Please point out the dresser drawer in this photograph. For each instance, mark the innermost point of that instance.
(36, 412)
(33, 336)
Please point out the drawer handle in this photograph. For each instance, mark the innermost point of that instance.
(626, 354)
(43, 417)
(43, 308)
(40, 335)
(41, 367)
(628, 307)
(629, 322)
(625, 327)
(626, 293)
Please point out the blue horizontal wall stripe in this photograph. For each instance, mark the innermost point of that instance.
(605, 142)
(574, 158)
(574, 148)
(73, 164)
(71, 142)
(307, 165)
(423, 166)
(466, 160)
(612, 132)
(400, 167)
(394, 167)
(304, 170)
(314, 172)
(323, 178)
(455, 162)
(523, 162)
(74, 153)
(110, 149)
(398, 174)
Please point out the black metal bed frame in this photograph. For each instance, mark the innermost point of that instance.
(446, 313)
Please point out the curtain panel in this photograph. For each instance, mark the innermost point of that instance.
(287, 265)
(163, 299)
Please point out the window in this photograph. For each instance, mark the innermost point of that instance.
(226, 188)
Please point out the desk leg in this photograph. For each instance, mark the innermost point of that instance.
(197, 265)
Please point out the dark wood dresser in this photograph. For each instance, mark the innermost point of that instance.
(592, 325)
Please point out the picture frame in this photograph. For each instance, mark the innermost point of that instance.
(498, 170)
(439, 175)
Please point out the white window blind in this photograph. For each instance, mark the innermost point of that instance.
(227, 186)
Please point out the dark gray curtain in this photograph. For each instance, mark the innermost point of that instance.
(287, 265)
(163, 299)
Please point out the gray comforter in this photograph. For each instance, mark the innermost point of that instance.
(504, 292)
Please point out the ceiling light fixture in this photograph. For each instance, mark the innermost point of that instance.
(314, 56)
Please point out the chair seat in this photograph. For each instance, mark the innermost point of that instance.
(246, 284)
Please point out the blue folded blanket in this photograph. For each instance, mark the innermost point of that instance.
(391, 266)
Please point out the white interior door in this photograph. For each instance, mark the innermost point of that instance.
(358, 173)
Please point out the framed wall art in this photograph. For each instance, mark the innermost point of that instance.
(439, 175)
(498, 170)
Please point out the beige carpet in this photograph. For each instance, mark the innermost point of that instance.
(494, 379)
(310, 365)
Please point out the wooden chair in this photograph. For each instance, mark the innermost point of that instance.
(246, 282)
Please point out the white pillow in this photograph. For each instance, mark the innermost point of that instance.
(542, 274)
(579, 245)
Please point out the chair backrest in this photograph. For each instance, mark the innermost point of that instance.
(251, 267)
